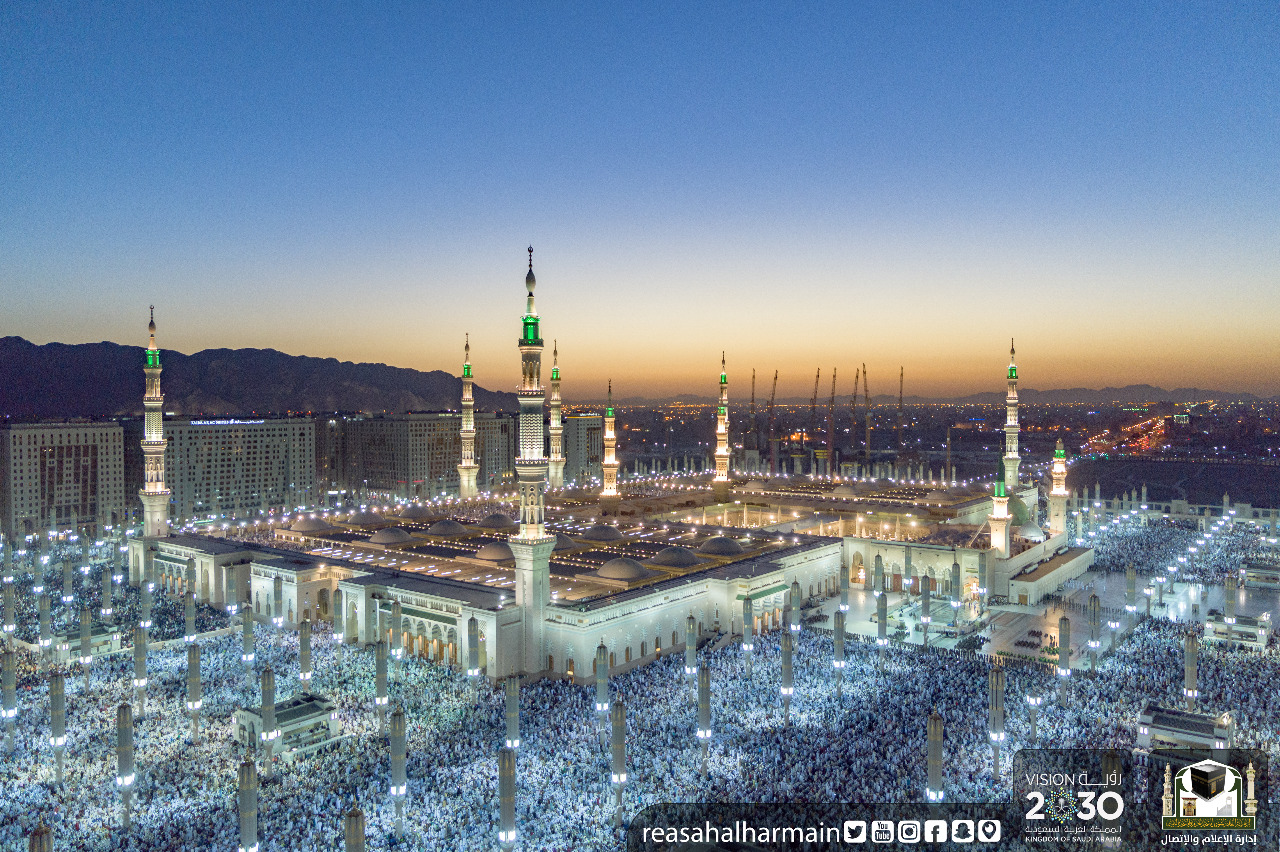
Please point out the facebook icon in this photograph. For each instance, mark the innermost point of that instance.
(935, 831)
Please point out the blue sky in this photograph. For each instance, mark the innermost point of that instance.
(798, 184)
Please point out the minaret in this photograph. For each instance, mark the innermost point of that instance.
(721, 481)
(610, 464)
(155, 497)
(1011, 459)
(1058, 494)
(555, 426)
(468, 469)
(531, 546)
(999, 519)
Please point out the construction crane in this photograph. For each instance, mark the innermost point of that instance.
(866, 394)
(853, 415)
(806, 444)
(773, 438)
(833, 466)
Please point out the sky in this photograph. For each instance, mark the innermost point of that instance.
(800, 185)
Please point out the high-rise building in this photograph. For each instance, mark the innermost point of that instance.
(583, 448)
(233, 467)
(412, 455)
(63, 476)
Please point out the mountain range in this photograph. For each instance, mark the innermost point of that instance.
(59, 380)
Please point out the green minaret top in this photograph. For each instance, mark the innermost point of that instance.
(1059, 452)
(555, 361)
(999, 490)
(153, 354)
(1013, 368)
(608, 409)
(466, 361)
(531, 333)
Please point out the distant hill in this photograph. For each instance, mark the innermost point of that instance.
(105, 379)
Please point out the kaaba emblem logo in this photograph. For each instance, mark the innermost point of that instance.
(1209, 796)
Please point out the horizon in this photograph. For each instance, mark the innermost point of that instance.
(802, 188)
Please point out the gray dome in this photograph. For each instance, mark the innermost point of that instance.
(843, 491)
(622, 568)
(415, 512)
(563, 542)
(1030, 531)
(391, 535)
(675, 557)
(447, 528)
(310, 525)
(365, 517)
(720, 546)
(778, 482)
(495, 551)
(602, 532)
(497, 521)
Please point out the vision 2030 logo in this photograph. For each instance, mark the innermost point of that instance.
(1208, 796)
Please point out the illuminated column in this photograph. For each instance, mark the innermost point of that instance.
(380, 699)
(506, 798)
(1058, 494)
(1229, 595)
(933, 789)
(721, 481)
(1131, 593)
(58, 720)
(140, 670)
(555, 425)
(1034, 700)
(10, 611)
(189, 602)
(882, 625)
(397, 637)
(9, 694)
(877, 580)
(86, 645)
(399, 778)
(1011, 459)
(353, 830)
(1093, 613)
(124, 760)
(304, 654)
(270, 732)
(68, 582)
(248, 800)
(999, 519)
(468, 470)
(926, 605)
(46, 627)
(609, 466)
(246, 638)
(690, 649)
(788, 679)
(908, 571)
(838, 661)
(511, 692)
(844, 589)
(794, 622)
(277, 598)
(148, 588)
(194, 697)
(473, 656)
(618, 720)
(704, 715)
(957, 592)
(995, 706)
(602, 681)
(155, 497)
(1064, 656)
(1190, 654)
(748, 632)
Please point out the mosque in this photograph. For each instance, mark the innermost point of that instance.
(537, 594)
